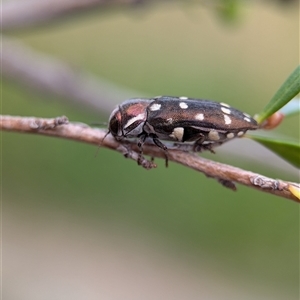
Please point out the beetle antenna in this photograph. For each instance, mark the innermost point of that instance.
(99, 146)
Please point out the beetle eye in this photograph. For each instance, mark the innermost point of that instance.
(114, 126)
(115, 122)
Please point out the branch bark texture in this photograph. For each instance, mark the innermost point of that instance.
(225, 174)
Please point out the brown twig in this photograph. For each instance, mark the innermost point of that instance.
(24, 14)
(29, 13)
(55, 77)
(225, 174)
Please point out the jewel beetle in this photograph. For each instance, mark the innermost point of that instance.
(202, 123)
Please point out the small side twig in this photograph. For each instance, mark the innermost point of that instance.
(227, 175)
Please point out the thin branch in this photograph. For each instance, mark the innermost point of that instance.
(225, 174)
(48, 74)
(24, 14)
(29, 13)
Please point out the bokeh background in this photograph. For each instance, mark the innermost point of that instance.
(82, 225)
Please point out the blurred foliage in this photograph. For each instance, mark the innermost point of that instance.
(288, 90)
(288, 150)
(252, 236)
(229, 9)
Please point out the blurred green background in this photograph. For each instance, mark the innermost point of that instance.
(80, 225)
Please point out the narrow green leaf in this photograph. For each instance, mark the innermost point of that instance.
(288, 150)
(289, 89)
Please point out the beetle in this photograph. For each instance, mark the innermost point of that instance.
(203, 124)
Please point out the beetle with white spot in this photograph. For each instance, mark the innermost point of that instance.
(202, 124)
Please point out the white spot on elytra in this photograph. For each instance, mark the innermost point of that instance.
(177, 133)
(199, 117)
(224, 104)
(230, 135)
(155, 106)
(226, 110)
(170, 121)
(183, 105)
(213, 135)
(134, 119)
(247, 119)
(240, 133)
(183, 98)
(227, 119)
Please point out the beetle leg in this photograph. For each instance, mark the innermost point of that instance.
(141, 142)
(140, 145)
(199, 147)
(159, 144)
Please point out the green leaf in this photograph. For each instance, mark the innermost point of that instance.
(289, 89)
(288, 150)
